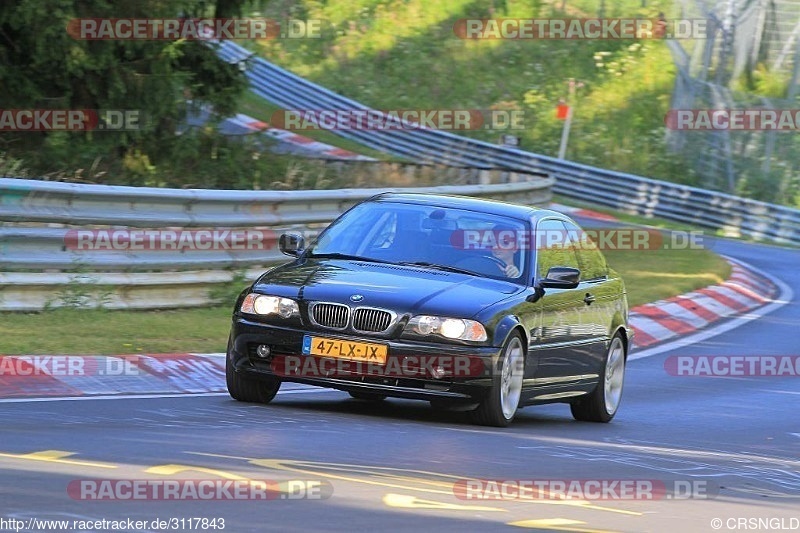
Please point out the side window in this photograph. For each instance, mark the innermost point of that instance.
(553, 247)
(593, 264)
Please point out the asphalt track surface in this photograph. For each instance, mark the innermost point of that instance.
(393, 466)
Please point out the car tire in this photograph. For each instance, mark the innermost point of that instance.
(367, 396)
(250, 390)
(602, 403)
(502, 400)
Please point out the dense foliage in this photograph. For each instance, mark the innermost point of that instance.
(403, 53)
(43, 67)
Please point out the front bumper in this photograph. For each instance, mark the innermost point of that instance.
(285, 342)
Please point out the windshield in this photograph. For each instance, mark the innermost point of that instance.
(431, 236)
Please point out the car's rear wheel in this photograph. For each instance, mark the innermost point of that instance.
(250, 390)
(601, 404)
(367, 396)
(500, 404)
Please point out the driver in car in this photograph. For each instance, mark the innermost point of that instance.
(505, 250)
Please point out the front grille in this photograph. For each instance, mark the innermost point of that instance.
(371, 320)
(333, 316)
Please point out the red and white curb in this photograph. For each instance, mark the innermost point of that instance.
(89, 375)
(684, 314)
(585, 213)
(316, 147)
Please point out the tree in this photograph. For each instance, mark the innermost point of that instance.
(229, 8)
(42, 66)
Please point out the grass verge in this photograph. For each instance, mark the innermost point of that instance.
(657, 274)
(99, 331)
(649, 276)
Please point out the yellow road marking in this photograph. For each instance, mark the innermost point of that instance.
(276, 464)
(412, 502)
(612, 510)
(289, 465)
(556, 524)
(56, 456)
(394, 480)
(172, 469)
(285, 487)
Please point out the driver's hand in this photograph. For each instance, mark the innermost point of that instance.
(512, 271)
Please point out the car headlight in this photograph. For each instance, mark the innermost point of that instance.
(262, 304)
(451, 328)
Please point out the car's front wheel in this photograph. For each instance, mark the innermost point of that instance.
(250, 390)
(500, 404)
(601, 404)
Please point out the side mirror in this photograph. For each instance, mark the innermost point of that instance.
(292, 244)
(557, 278)
(561, 278)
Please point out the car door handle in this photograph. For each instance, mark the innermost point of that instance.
(588, 299)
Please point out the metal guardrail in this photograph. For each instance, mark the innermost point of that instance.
(72, 203)
(34, 291)
(625, 192)
(40, 267)
(23, 246)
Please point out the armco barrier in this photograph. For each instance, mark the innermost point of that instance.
(34, 291)
(38, 267)
(71, 203)
(626, 192)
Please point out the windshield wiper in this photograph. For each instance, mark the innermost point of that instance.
(437, 266)
(337, 255)
(424, 264)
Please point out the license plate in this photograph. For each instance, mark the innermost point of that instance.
(339, 349)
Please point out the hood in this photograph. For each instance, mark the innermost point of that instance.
(400, 288)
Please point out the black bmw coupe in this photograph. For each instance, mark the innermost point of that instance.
(470, 304)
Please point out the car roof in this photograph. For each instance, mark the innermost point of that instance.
(481, 205)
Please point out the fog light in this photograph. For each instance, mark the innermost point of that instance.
(438, 372)
(262, 350)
